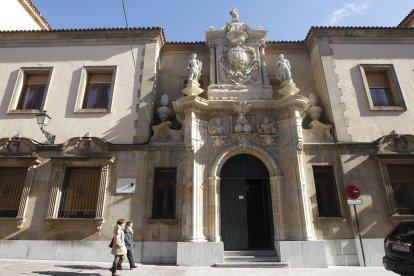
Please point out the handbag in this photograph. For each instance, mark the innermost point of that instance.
(111, 243)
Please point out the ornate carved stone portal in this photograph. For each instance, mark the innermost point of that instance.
(238, 70)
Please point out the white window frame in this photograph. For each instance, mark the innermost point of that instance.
(83, 84)
(20, 84)
(395, 90)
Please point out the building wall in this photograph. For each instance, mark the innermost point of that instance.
(13, 16)
(366, 125)
(67, 62)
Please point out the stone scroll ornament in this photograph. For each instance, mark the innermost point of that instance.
(237, 61)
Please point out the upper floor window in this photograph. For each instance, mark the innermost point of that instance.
(30, 90)
(96, 89)
(326, 191)
(383, 90)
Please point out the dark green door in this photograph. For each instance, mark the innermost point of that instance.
(245, 203)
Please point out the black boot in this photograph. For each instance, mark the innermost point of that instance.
(113, 269)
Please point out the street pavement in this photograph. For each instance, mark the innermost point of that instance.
(12, 267)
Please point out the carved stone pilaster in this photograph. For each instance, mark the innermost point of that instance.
(214, 209)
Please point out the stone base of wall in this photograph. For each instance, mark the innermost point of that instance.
(302, 253)
(199, 253)
(343, 252)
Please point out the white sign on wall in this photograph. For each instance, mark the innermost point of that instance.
(126, 185)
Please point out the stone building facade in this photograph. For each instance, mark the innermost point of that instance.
(246, 145)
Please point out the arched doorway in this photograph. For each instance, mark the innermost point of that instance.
(245, 204)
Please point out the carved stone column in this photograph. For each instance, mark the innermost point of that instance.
(277, 203)
(265, 77)
(213, 208)
(213, 71)
(309, 230)
(192, 222)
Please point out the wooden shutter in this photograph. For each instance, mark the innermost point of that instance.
(11, 187)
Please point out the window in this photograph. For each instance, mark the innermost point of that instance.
(96, 89)
(402, 184)
(30, 90)
(382, 87)
(12, 181)
(326, 191)
(80, 192)
(163, 204)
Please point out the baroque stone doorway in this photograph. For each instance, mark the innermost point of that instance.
(245, 203)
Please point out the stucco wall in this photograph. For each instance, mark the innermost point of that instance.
(14, 17)
(67, 62)
(366, 125)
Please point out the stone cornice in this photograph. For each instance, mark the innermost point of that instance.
(86, 37)
(202, 105)
(358, 34)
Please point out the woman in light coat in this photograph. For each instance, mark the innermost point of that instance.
(118, 247)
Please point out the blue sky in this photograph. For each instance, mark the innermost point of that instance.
(185, 20)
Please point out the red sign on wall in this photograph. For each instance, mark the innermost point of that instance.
(352, 191)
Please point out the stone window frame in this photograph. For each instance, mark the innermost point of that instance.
(83, 85)
(59, 165)
(339, 185)
(332, 170)
(31, 164)
(395, 90)
(154, 215)
(20, 85)
(383, 162)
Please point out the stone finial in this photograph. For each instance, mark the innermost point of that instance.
(164, 111)
(234, 15)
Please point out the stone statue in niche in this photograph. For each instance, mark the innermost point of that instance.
(218, 130)
(242, 124)
(194, 67)
(267, 127)
(267, 131)
(284, 75)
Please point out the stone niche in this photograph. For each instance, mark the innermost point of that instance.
(237, 63)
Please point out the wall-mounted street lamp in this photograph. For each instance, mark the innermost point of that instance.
(42, 120)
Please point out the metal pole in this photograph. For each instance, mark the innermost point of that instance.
(359, 234)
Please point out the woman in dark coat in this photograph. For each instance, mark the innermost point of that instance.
(129, 242)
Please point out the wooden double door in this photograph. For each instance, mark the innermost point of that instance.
(245, 204)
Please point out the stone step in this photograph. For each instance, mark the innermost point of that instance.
(254, 265)
(232, 259)
(250, 253)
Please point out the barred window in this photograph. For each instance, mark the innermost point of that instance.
(402, 185)
(12, 181)
(80, 192)
(326, 191)
(163, 204)
(382, 87)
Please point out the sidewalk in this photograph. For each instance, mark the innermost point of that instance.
(12, 267)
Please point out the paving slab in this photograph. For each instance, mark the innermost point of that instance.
(17, 267)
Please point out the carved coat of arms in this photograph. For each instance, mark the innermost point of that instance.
(238, 61)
